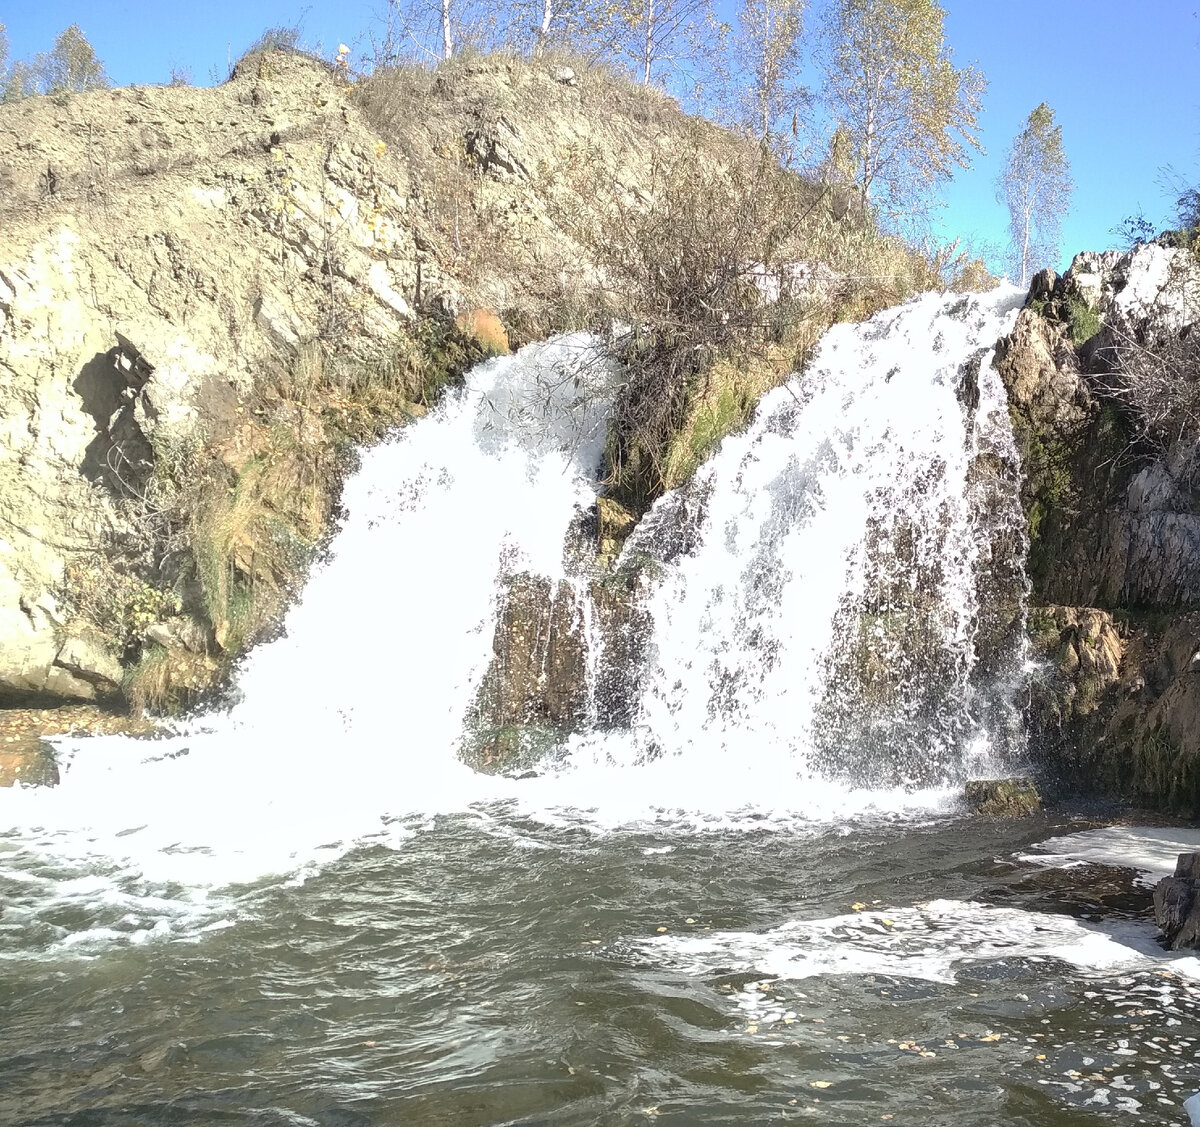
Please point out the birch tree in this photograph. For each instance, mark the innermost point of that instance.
(1035, 185)
(653, 33)
(436, 30)
(910, 112)
(764, 70)
(71, 67)
(541, 25)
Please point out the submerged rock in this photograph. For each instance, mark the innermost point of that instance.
(1177, 904)
(1006, 798)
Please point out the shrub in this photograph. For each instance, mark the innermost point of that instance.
(1083, 320)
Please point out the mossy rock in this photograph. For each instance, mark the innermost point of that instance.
(1016, 797)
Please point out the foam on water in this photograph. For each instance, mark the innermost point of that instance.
(1151, 850)
(845, 508)
(927, 941)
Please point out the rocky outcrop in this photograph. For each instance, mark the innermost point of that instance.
(1003, 798)
(169, 257)
(1112, 499)
(567, 656)
(1177, 904)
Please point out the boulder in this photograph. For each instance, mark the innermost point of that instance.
(1015, 797)
(1177, 904)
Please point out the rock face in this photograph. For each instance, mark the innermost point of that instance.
(166, 253)
(567, 656)
(1177, 904)
(1113, 504)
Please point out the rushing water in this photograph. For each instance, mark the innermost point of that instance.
(759, 900)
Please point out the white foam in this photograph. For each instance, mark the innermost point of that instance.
(928, 941)
(1151, 850)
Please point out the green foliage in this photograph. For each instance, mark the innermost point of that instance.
(118, 604)
(71, 67)
(1083, 320)
(910, 114)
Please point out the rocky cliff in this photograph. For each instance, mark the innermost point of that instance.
(1102, 377)
(208, 295)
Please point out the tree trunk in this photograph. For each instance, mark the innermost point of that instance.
(1025, 249)
(648, 56)
(544, 29)
(447, 42)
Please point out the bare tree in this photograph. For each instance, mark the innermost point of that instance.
(1035, 185)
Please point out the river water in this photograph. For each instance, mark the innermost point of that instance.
(757, 898)
(494, 969)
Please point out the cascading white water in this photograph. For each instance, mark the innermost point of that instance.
(835, 530)
(357, 711)
(814, 621)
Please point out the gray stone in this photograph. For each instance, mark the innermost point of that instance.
(88, 659)
(1177, 904)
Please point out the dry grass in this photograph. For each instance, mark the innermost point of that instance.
(167, 681)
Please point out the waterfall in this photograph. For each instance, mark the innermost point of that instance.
(826, 608)
(810, 620)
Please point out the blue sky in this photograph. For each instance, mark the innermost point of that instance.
(1122, 76)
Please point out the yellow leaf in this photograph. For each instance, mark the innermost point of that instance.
(820, 1083)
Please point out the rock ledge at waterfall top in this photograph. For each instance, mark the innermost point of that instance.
(1114, 523)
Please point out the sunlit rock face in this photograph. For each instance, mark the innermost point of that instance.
(1100, 374)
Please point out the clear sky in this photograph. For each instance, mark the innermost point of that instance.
(1122, 75)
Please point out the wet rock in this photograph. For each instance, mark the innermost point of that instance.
(1005, 798)
(567, 656)
(1177, 904)
(30, 763)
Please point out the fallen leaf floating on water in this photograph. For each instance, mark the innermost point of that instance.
(661, 930)
(820, 1083)
(857, 906)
